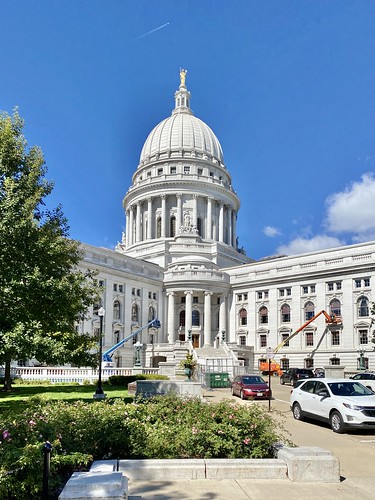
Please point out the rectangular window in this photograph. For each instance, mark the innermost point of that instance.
(245, 296)
(284, 336)
(265, 294)
(101, 283)
(211, 174)
(289, 292)
(338, 285)
(335, 338)
(195, 300)
(154, 295)
(133, 291)
(305, 290)
(138, 292)
(285, 364)
(121, 288)
(242, 339)
(357, 283)
(312, 289)
(309, 336)
(260, 295)
(263, 340)
(330, 287)
(186, 169)
(366, 282)
(334, 361)
(285, 317)
(183, 300)
(281, 293)
(160, 171)
(115, 287)
(149, 295)
(200, 171)
(363, 337)
(173, 170)
(148, 174)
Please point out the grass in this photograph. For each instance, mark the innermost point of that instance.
(17, 400)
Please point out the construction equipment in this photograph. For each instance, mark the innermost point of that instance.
(274, 367)
(107, 355)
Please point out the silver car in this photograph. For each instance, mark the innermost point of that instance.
(342, 403)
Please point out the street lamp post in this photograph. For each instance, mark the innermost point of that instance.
(99, 391)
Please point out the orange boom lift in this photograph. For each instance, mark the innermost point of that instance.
(274, 366)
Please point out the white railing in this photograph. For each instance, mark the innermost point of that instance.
(63, 374)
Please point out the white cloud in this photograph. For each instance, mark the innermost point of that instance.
(271, 231)
(304, 245)
(353, 210)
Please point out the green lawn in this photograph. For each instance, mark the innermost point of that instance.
(16, 400)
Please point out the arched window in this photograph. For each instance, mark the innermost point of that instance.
(172, 228)
(116, 310)
(135, 313)
(151, 313)
(285, 313)
(335, 307)
(243, 317)
(195, 318)
(363, 308)
(309, 310)
(158, 227)
(263, 315)
(199, 226)
(182, 318)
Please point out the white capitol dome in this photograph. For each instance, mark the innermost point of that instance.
(182, 134)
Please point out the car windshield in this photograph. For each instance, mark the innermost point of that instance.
(252, 380)
(349, 389)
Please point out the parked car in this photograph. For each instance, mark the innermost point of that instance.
(342, 403)
(366, 378)
(319, 372)
(291, 375)
(250, 386)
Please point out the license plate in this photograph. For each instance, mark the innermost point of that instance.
(260, 394)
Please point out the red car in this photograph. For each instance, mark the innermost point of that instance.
(250, 387)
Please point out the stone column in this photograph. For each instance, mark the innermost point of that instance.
(195, 210)
(221, 222)
(179, 212)
(223, 315)
(171, 316)
(207, 318)
(230, 229)
(163, 214)
(234, 231)
(150, 218)
(188, 311)
(127, 227)
(209, 219)
(138, 222)
(131, 226)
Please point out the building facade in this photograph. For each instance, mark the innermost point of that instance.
(179, 261)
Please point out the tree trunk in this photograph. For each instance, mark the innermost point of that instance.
(7, 377)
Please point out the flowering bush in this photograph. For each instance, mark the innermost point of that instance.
(162, 427)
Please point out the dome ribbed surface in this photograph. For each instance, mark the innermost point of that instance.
(182, 132)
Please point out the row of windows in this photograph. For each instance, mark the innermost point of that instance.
(335, 338)
(307, 289)
(363, 310)
(186, 170)
(309, 362)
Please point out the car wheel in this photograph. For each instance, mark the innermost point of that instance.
(282, 382)
(297, 412)
(242, 395)
(337, 423)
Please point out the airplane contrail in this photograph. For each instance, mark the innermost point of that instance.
(153, 31)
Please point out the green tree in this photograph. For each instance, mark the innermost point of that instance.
(42, 291)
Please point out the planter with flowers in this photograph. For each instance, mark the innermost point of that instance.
(189, 365)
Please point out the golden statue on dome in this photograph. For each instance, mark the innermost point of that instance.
(183, 76)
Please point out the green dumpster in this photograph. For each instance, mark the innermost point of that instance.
(216, 380)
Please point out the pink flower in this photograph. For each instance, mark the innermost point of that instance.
(246, 440)
(6, 434)
(194, 430)
(32, 423)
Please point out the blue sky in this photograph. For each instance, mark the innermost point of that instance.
(288, 86)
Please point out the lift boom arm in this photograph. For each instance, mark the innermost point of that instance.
(107, 355)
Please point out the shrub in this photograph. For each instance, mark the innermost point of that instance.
(161, 427)
(124, 380)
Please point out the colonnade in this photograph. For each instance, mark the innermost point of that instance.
(207, 334)
(150, 218)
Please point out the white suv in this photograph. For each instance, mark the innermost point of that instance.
(341, 402)
(366, 378)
